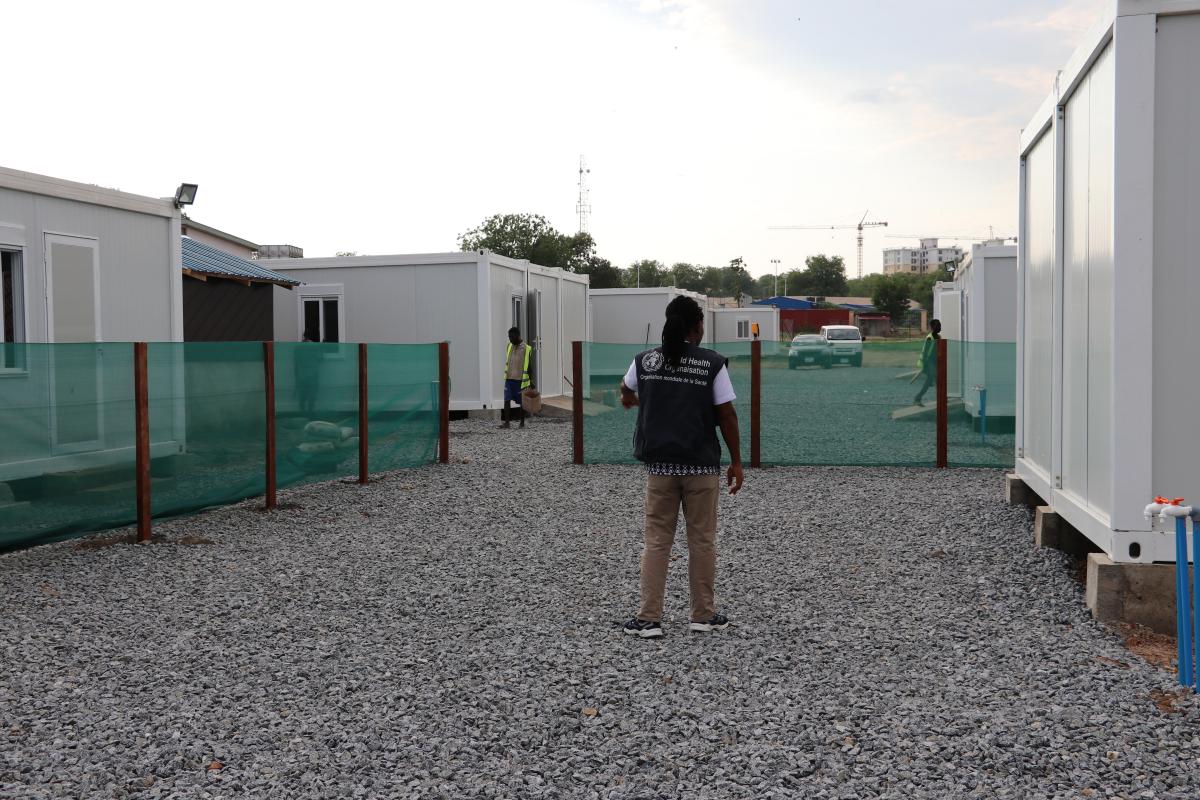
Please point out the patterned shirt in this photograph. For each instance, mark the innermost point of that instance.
(681, 470)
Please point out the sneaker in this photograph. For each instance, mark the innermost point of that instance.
(719, 622)
(644, 629)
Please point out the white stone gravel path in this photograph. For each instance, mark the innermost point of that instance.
(454, 632)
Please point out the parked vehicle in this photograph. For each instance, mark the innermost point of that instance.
(807, 349)
(843, 345)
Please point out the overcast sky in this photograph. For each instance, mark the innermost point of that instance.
(393, 127)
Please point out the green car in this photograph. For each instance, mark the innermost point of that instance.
(808, 350)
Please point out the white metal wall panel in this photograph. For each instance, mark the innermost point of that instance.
(574, 322)
(1000, 319)
(1076, 162)
(629, 318)
(1176, 420)
(1087, 287)
(1039, 304)
(1100, 284)
(952, 330)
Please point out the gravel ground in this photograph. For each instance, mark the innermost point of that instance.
(454, 632)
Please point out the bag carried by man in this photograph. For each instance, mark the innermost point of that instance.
(531, 400)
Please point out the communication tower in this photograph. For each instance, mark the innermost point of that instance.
(583, 207)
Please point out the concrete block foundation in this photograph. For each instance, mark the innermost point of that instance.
(1018, 493)
(1139, 593)
(1051, 530)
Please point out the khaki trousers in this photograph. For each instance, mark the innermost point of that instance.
(698, 495)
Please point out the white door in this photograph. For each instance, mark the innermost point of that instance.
(73, 317)
(534, 336)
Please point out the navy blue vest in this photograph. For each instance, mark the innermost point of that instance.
(677, 422)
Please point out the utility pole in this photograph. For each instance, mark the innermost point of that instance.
(775, 261)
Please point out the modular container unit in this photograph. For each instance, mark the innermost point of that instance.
(978, 310)
(628, 316)
(737, 324)
(82, 268)
(634, 316)
(470, 299)
(1107, 281)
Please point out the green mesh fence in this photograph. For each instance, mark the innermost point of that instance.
(402, 403)
(67, 440)
(981, 385)
(207, 424)
(608, 428)
(67, 461)
(316, 406)
(849, 405)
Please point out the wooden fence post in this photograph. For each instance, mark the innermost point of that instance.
(444, 402)
(362, 412)
(577, 401)
(943, 416)
(755, 403)
(141, 405)
(269, 394)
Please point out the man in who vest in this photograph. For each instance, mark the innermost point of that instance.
(683, 394)
(516, 375)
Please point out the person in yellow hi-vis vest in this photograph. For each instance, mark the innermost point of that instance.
(516, 375)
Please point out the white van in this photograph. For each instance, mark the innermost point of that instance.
(843, 345)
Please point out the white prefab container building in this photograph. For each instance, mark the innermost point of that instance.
(979, 309)
(470, 299)
(737, 324)
(1108, 281)
(81, 265)
(87, 264)
(634, 316)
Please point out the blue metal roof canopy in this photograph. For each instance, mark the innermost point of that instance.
(200, 259)
(787, 303)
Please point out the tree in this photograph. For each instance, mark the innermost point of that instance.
(736, 281)
(531, 237)
(602, 273)
(891, 297)
(864, 286)
(687, 276)
(646, 273)
(825, 275)
(712, 279)
(512, 235)
(795, 283)
(921, 287)
(572, 253)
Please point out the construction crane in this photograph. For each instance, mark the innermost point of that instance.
(862, 223)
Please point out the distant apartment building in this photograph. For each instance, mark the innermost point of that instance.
(919, 259)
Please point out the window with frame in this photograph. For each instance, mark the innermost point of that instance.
(12, 310)
(743, 329)
(322, 319)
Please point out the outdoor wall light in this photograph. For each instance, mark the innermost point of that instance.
(185, 195)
